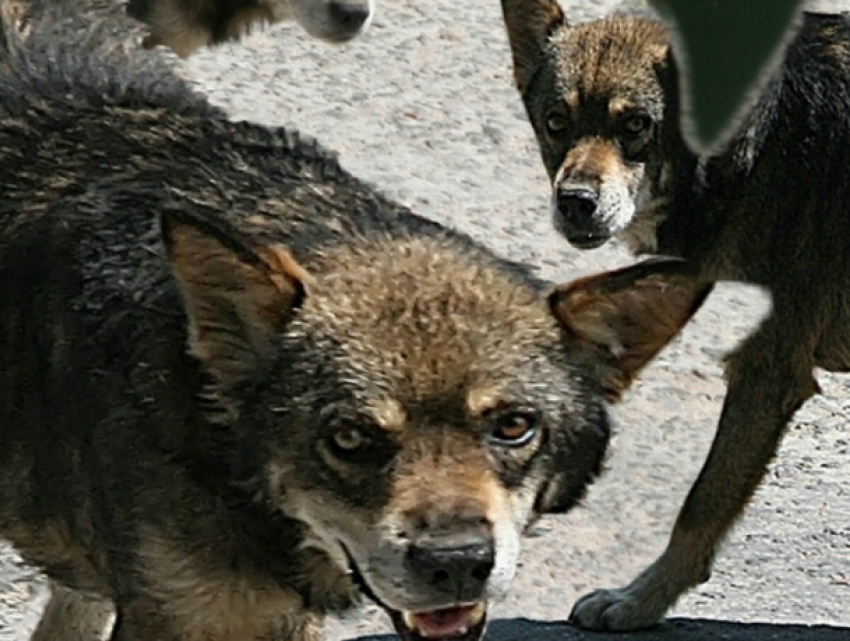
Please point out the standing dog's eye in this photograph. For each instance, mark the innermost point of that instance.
(636, 124)
(556, 122)
(513, 429)
(349, 439)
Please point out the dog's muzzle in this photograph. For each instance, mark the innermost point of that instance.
(456, 566)
(575, 216)
(349, 17)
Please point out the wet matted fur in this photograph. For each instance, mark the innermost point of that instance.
(239, 387)
(772, 209)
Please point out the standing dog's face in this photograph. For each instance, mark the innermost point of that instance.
(416, 405)
(595, 96)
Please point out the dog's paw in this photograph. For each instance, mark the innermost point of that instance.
(619, 610)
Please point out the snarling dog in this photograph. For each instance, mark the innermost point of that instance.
(771, 210)
(189, 25)
(240, 388)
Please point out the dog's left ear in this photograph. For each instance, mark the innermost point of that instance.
(628, 315)
(529, 24)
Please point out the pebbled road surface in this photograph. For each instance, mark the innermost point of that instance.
(423, 105)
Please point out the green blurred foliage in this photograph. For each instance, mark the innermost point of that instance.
(724, 48)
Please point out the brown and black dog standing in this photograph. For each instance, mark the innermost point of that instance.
(773, 209)
(239, 387)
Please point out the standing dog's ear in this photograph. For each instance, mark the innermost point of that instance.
(236, 299)
(529, 24)
(628, 315)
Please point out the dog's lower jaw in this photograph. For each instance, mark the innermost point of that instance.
(466, 622)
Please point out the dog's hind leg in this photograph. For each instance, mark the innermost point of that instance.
(770, 376)
(71, 615)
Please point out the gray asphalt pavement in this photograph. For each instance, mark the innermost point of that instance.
(423, 106)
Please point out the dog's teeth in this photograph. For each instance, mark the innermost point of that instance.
(477, 614)
(410, 621)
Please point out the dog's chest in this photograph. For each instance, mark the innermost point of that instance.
(208, 596)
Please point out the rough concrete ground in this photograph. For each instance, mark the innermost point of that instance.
(423, 105)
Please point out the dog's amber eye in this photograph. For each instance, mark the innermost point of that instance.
(514, 428)
(349, 439)
(636, 124)
(556, 122)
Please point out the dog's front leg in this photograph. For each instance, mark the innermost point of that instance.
(770, 376)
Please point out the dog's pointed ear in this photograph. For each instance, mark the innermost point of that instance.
(237, 299)
(628, 315)
(529, 24)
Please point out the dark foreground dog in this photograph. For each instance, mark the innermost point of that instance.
(188, 25)
(237, 385)
(773, 210)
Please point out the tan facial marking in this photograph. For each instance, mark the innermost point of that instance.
(618, 106)
(481, 400)
(389, 415)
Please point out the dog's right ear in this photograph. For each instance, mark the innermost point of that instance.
(529, 24)
(237, 299)
(626, 316)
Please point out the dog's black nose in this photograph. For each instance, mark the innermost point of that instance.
(458, 564)
(576, 217)
(349, 15)
(577, 204)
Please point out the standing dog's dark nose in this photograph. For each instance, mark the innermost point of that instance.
(458, 564)
(577, 205)
(576, 217)
(349, 15)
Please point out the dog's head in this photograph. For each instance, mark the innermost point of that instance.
(331, 20)
(597, 96)
(416, 403)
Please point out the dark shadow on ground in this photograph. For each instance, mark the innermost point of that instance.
(671, 630)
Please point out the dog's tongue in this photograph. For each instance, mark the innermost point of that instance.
(449, 622)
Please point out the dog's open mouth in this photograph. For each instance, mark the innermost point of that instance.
(458, 623)
(465, 622)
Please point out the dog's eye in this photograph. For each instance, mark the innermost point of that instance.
(513, 429)
(556, 122)
(349, 439)
(636, 124)
(356, 444)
